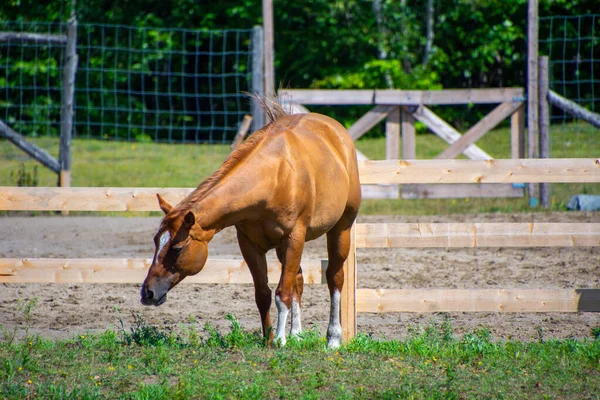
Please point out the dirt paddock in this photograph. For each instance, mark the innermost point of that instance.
(64, 310)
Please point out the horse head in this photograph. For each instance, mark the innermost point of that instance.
(181, 249)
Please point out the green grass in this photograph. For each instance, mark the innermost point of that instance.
(123, 164)
(126, 164)
(147, 363)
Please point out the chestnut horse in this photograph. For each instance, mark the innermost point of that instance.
(290, 182)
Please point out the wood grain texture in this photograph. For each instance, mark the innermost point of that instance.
(478, 235)
(129, 270)
(558, 170)
(477, 300)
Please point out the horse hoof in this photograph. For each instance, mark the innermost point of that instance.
(279, 342)
(333, 343)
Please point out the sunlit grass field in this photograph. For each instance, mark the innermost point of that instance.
(432, 362)
(132, 164)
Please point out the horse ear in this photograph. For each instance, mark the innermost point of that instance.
(164, 206)
(189, 220)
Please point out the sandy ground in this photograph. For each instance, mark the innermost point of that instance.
(64, 310)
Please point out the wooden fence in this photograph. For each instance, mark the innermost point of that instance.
(401, 108)
(364, 235)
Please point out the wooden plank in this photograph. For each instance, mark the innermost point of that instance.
(327, 96)
(87, 198)
(390, 172)
(566, 170)
(532, 93)
(295, 108)
(242, 131)
(461, 190)
(32, 37)
(483, 126)
(380, 191)
(87, 270)
(392, 135)
(409, 148)
(573, 108)
(369, 120)
(448, 96)
(477, 235)
(477, 300)
(447, 132)
(348, 299)
(31, 149)
(517, 133)
(400, 97)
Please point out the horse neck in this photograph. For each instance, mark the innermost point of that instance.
(233, 199)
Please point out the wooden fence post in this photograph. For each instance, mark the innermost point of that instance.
(348, 306)
(268, 47)
(258, 81)
(517, 134)
(68, 98)
(392, 135)
(532, 93)
(544, 108)
(409, 151)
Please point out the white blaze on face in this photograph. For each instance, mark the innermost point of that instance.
(164, 239)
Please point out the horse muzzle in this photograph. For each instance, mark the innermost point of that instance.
(153, 297)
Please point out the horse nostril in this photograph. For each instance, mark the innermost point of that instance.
(150, 294)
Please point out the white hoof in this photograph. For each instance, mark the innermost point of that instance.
(279, 341)
(334, 337)
(333, 343)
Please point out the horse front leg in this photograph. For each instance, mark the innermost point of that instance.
(288, 293)
(338, 248)
(257, 263)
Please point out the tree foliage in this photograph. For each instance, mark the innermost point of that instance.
(335, 43)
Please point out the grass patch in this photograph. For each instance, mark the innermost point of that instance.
(131, 164)
(429, 363)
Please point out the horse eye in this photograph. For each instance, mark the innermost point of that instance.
(176, 250)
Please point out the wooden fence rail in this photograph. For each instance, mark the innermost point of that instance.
(132, 270)
(364, 235)
(477, 300)
(371, 172)
(400, 97)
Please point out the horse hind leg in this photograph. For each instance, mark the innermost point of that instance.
(296, 313)
(338, 248)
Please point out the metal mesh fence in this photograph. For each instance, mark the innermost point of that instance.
(572, 44)
(30, 82)
(132, 83)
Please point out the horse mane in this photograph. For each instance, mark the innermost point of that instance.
(274, 112)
